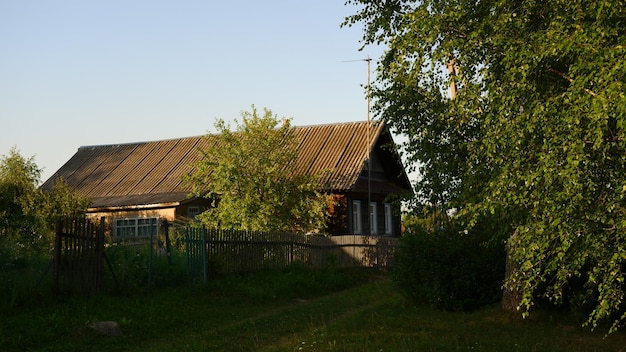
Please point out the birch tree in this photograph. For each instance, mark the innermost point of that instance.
(534, 138)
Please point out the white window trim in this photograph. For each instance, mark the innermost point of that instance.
(135, 227)
(388, 219)
(373, 218)
(192, 211)
(356, 217)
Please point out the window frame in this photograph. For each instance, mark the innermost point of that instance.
(388, 219)
(373, 213)
(192, 214)
(135, 227)
(357, 217)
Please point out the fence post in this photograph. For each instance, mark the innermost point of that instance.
(99, 254)
(57, 256)
(152, 222)
(204, 256)
(168, 246)
(188, 248)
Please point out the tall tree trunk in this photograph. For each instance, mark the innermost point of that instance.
(510, 296)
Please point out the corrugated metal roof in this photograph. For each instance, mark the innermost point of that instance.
(338, 152)
(152, 172)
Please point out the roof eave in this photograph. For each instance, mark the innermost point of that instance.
(133, 207)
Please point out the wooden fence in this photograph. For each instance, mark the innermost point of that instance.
(79, 253)
(242, 251)
(79, 256)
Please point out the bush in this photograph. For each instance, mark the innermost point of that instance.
(131, 267)
(449, 269)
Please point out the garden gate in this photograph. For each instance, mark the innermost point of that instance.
(79, 255)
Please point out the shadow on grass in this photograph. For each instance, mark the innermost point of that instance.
(286, 310)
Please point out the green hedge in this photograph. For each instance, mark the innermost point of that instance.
(450, 269)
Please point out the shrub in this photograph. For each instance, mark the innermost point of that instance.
(449, 269)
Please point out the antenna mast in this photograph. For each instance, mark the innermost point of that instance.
(368, 147)
(369, 152)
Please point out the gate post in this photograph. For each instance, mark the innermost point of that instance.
(153, 226)
(188, 249)
(168, 246)
(204, 256)
(57, 256)
(99, 255)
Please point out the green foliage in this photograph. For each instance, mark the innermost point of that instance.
(28, 214)
(130, 265)
(21, 220)
(449, 269)
(250, 174)
(536, 132)
(61, 201)
(21, 279)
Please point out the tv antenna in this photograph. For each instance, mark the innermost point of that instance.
(368, 60)
(369, 148)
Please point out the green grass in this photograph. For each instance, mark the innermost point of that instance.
(295, 309)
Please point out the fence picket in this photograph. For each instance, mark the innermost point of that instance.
(78, 255)
(243, 251)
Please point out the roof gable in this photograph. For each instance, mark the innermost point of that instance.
(140, 173)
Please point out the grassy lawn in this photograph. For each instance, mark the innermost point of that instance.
(290, 310)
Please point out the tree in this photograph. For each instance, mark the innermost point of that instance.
(61, 201)
(20, 213)
(534, 138)
(27, 214)
(250, 175)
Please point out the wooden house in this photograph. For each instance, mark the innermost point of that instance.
(136, 185)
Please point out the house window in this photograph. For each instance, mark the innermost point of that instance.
(388, 219)
(192, 211)
(135, 227)
(356, 216)
(373, 219)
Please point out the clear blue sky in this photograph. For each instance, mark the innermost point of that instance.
(75, 73)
